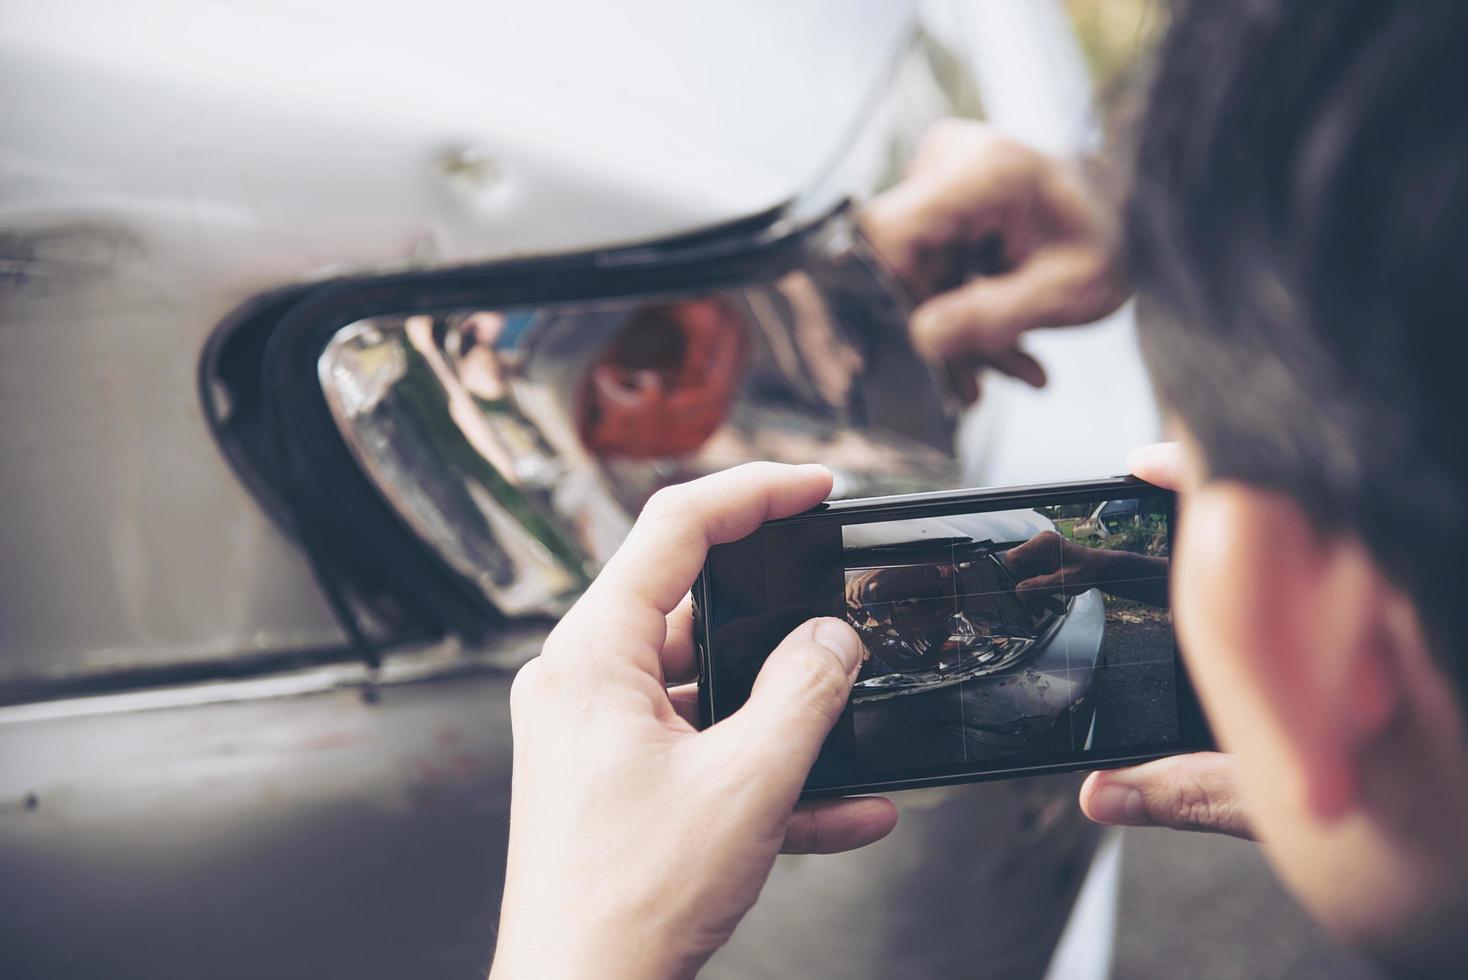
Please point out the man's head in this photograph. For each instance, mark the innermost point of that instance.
(1298, 233)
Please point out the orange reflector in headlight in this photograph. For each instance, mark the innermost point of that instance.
(666, 382)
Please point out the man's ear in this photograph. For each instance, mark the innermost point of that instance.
(1303, 618)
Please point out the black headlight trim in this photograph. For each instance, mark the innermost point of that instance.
(384, 583)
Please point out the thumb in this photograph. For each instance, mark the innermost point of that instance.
(797, 697)
(1049, 583)
(1184, 792)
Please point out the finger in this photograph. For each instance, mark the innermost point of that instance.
(1052, 582)
(904, 226)
(963, 376)
(964, 373)
(833, 826)
(797, 697)
(1017, 364)
(1184, 792)
(522, 702)
(1055, 288)
(1039, 555)
(685, 702)
(1017, 559)
(946, 197)
(920, 226)
(1160, 463)
(678, 661)
(654, 567)
(884, 224)
(665, 549)
(522, 693)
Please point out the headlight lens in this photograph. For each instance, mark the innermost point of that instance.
(519, 442)
(938, 613)
(666, 382)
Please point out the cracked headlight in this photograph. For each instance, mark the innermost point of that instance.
(938, 613)
(519, 440)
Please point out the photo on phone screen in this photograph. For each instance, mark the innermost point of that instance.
(994, 639)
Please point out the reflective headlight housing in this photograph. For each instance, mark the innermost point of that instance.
(453, 448)
(519, 441)
(937, 613)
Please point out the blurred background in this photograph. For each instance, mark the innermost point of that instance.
(341, 342)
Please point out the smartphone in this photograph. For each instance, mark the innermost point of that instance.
(1006, 632)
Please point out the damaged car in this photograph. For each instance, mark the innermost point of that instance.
(342, 344)
(942, 622)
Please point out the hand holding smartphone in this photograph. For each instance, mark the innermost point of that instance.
(1006, 632)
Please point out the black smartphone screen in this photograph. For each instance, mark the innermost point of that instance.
(1004, 631)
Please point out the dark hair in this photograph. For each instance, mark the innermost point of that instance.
(1297, 228)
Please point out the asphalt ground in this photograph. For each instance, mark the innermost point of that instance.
(1136, 692)
(1194, 905)
(1209, 908)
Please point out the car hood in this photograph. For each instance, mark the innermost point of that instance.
(999, 527)
(340, 135)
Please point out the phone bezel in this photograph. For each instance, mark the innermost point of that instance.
(1193, 731)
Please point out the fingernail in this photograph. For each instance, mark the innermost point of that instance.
(1118, 805)
(841, 640)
